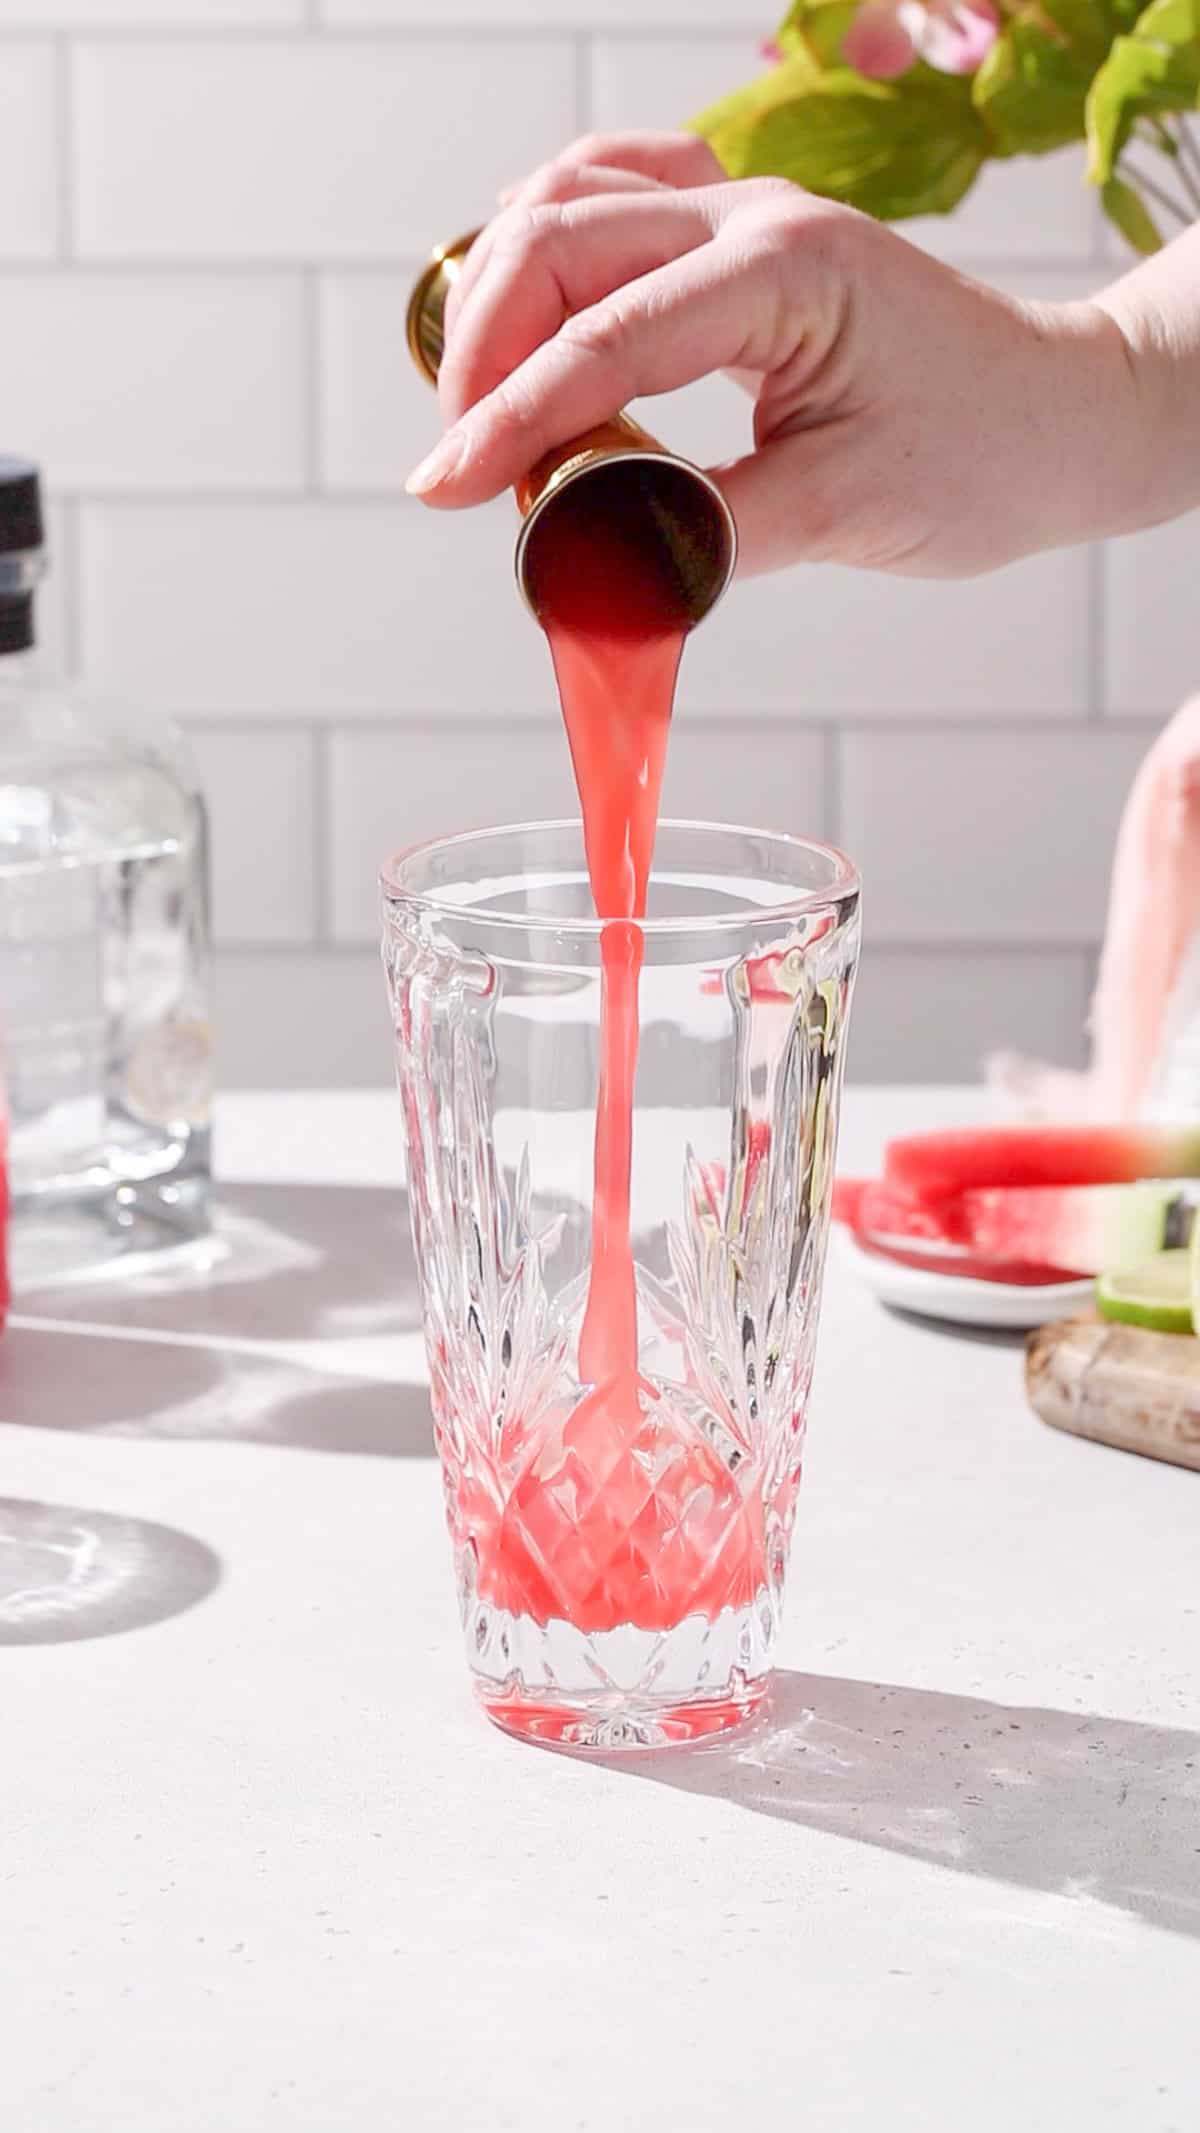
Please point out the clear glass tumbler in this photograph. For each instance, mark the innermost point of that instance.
(620, 1586)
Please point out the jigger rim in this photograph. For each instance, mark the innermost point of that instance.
(650, 455)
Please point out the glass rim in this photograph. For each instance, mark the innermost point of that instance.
(845, 882)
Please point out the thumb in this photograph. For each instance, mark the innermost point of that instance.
(785, 500)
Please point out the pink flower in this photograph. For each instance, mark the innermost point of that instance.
(772, 51)
(886, 36)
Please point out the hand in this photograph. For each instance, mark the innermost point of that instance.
(906, 417)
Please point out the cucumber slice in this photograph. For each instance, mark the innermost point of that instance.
(1157, 1294)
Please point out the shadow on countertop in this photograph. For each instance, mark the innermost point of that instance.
(67, 1574)
(1072, 1803)
(176, 1351)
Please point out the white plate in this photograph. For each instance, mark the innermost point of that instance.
(960, 1301)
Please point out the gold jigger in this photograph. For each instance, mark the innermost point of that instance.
(630, 471)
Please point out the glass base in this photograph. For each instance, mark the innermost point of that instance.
(620, 1690)
(611, 1725)
(59, 1238)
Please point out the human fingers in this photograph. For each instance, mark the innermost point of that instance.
(548, 186)
(681, 160)
(549, 263)
(715, 307)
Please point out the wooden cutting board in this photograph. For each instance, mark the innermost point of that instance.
(1118, 1385)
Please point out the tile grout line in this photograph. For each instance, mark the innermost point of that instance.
(322, 829)
(160, 267)
(311, 371)
(452, 28)
(64, 151)
(351, 35)
(831, 795)
(582, 44)
(71, 543)
(431, 717)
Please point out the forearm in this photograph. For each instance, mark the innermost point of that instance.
(1156, 311)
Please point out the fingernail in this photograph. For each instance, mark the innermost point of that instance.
(438, 466)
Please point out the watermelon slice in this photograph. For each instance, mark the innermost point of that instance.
(848, 1195)
(1085, 1228)
(935, 1167)
(4, 1295)
(970, 1266)
(878, 1210)
(1088, 1227)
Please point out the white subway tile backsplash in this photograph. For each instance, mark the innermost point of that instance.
(936, 1015)
(301, 1020)
(260, 793)
(390, 789)
(377, 416)
(29, 202)
(151, 14)
(696, 17)
(847, 643)
(383, 609)
(304, 150)
(987, 836)
(143, 382)
(1023, 208)
(1152, 640)
(660, 82)
(710, 422)
(763, 777)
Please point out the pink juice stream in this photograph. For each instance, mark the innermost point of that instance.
(622, 1512)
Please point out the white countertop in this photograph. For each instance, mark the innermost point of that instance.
(264, 1868)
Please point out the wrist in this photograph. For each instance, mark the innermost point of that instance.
(1153, 314)
(1106, 418)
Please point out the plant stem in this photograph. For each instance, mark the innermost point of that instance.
(1184, 170)
(1159, 135)
(1183, 214)
(1189, 154)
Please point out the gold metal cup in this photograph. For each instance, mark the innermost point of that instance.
(687, 511)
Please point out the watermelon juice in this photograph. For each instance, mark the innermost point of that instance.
(620, 1360)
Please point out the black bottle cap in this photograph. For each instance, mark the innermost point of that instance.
(22, 535)
(16, 623)
(21, 524)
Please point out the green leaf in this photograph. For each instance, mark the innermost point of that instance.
(908, 147)
(727, 125)
(1088, 25)
(1149, 74)
(1174, 22)
(1138, 80)
(1128, 212)
(1032, 87)
(817, 29)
